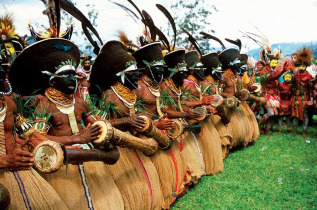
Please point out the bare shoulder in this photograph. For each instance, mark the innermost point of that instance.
(10, 103)
(109, 96)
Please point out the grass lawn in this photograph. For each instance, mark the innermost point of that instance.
(272, 173)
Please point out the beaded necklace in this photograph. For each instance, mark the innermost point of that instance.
(127, 96)
(152, 86)
(172, 86)
(155, 90)
(59, 98)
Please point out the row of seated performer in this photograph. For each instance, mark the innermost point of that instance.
(153, 124)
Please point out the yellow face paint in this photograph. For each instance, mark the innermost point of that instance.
(273, 63)
(302, 68)
(9, 46)
(288, 77)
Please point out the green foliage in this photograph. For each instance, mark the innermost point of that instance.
(64, 63)
(142, 107)
(187, 95)
(272, 173)
(208, 91)
(194, 17)
(167, 100)
(44, 114)
(101, 108)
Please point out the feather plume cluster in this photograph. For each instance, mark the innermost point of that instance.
(6, 26)
(130, 46)
(304, 56)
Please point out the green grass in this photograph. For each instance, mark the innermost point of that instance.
(282, 176)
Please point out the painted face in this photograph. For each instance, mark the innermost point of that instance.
(288, 77)
(10, 48)
(156, 73)
(179, 77)
(302, 68)
(2, 79)
(199, 73)
(259, 66)
(273, 63)
(217, 75)
(67, 83)
(132, 78)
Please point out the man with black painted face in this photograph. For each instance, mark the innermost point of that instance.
(118, 77)
(150, 58)
(174, 74)
(15, 160)
(192, 84)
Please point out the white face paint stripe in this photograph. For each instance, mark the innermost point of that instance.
(65, 68)
(158, 64)
(199, 65)
(130, 68)
(182, 69)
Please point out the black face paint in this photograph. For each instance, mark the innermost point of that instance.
(2, 79)
(199, 73)
(166, 73)
(132, 78)
(67, 83)
(156, 73)
(179, 77)
(238, 69)
(217, 75)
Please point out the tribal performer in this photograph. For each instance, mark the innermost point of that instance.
(303, 91)
(245, 129)
(269, 82)
(182, 160)
(61, 115)
(150, 57)
(285, 90)
(209, 138)
(25, 187)
(84, 72)
(115, 71)
(212, 85)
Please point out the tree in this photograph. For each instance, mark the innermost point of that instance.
(195, 17)
(92, 16)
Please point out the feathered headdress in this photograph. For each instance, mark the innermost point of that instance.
(7, 28)
(53, 10)
(304, 56)
(127, 42)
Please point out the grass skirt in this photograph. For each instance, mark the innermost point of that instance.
(253, 121)
(210, 142)
(137, 180)
(86, 186)
(173, 173)
(194, 157)
(224, 132)
(28, 190)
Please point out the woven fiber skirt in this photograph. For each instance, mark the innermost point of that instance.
(224, 132)
(193, 154)
(28, 190)
(173, 172)
(252, 120)
(210, 141)
(137, 180)
(88, 186)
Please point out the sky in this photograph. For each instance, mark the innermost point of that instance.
(278, 20)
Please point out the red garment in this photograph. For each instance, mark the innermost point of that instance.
(285, 90)
(301, 94)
